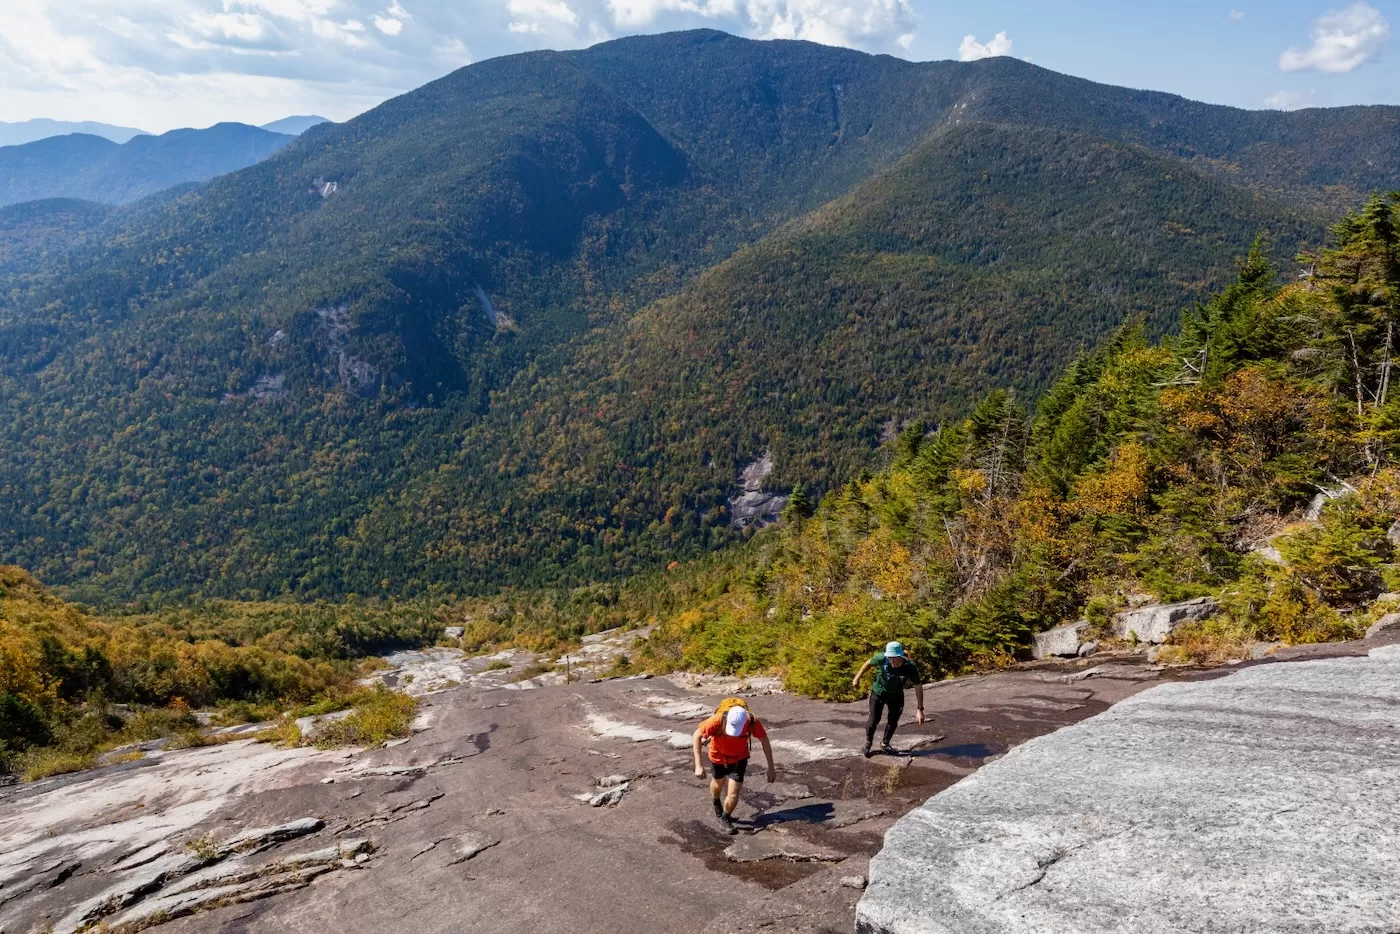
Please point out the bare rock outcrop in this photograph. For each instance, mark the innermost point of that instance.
(1061, 641)
(1155, 623)
(1259, 802)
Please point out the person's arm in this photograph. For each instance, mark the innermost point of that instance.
(919, 699)
(695, 742)
(768, 754)
(855, 682)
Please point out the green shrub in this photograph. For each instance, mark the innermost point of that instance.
(379, 715)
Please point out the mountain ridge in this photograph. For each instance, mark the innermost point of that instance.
(328, 299)
(93, 168)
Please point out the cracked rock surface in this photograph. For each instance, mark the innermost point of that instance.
(1263, 801)
(472, 824)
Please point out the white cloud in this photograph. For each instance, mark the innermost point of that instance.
(1341, 40)
(391, 21)
(159, 64)
(1287, 100)
(531, 15)
(1236, 15)
(971, 50)
(875, 25)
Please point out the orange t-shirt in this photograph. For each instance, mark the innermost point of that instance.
(726, 749)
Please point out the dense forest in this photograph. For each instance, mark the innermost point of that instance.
(73, 686)
(403, 357)
(1150, 469)
(1160, 470)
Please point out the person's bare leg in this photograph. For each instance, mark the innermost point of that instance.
(717, 791)
(731, 800)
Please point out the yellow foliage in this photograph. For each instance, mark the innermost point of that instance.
(885, 564)
(1120, 488)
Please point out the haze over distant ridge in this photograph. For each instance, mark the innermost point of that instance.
(29, 131)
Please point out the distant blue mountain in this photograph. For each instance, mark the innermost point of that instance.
(17, 134)
(295, 126)
(96, 169)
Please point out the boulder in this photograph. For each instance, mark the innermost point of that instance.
(1385, 623)
(1392, 534)
(1088, 648)
(1062, 640)
(1234, 804)
(454, 632)
(1156, 623)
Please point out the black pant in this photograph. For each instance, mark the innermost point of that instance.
(878, 704)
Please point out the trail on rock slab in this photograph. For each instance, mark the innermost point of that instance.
(501, 815)
(1264, 801)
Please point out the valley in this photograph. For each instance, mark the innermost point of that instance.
(826, 242)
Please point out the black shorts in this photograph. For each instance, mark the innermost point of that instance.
(734, 771)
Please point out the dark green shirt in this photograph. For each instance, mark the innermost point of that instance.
(891, 681)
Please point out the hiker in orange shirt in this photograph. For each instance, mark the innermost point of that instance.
(730, 731)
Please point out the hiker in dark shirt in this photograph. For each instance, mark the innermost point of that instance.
(893, 672)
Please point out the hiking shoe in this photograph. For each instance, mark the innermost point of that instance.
(865, 751)
(719, 808)
(887, 749)
(728, 823)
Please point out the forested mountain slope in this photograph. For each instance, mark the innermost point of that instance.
(506, 329)
(1252, 459)
(93, 168)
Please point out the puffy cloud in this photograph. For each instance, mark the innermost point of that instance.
(158, 64)
(164, 63)
(1287, 100)
(971, 50)
(876, 25)
(391, 21)
(531, 15)
(1341, 40)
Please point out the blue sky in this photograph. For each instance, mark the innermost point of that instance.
(159, 64)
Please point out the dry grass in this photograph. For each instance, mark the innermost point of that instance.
(284, 733)
(48, 762)
(1210, 642)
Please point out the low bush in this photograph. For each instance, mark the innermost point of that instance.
(379, 715)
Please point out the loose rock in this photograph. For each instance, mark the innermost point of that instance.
(772, 845)
(1155, 623)
(1062, 640)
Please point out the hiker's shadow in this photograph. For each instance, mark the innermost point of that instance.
(963, 751)
(816, 813)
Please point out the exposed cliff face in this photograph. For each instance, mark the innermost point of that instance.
(755, 507)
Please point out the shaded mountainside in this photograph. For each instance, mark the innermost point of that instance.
(527, 323)
(93, 168)
(36, 234)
